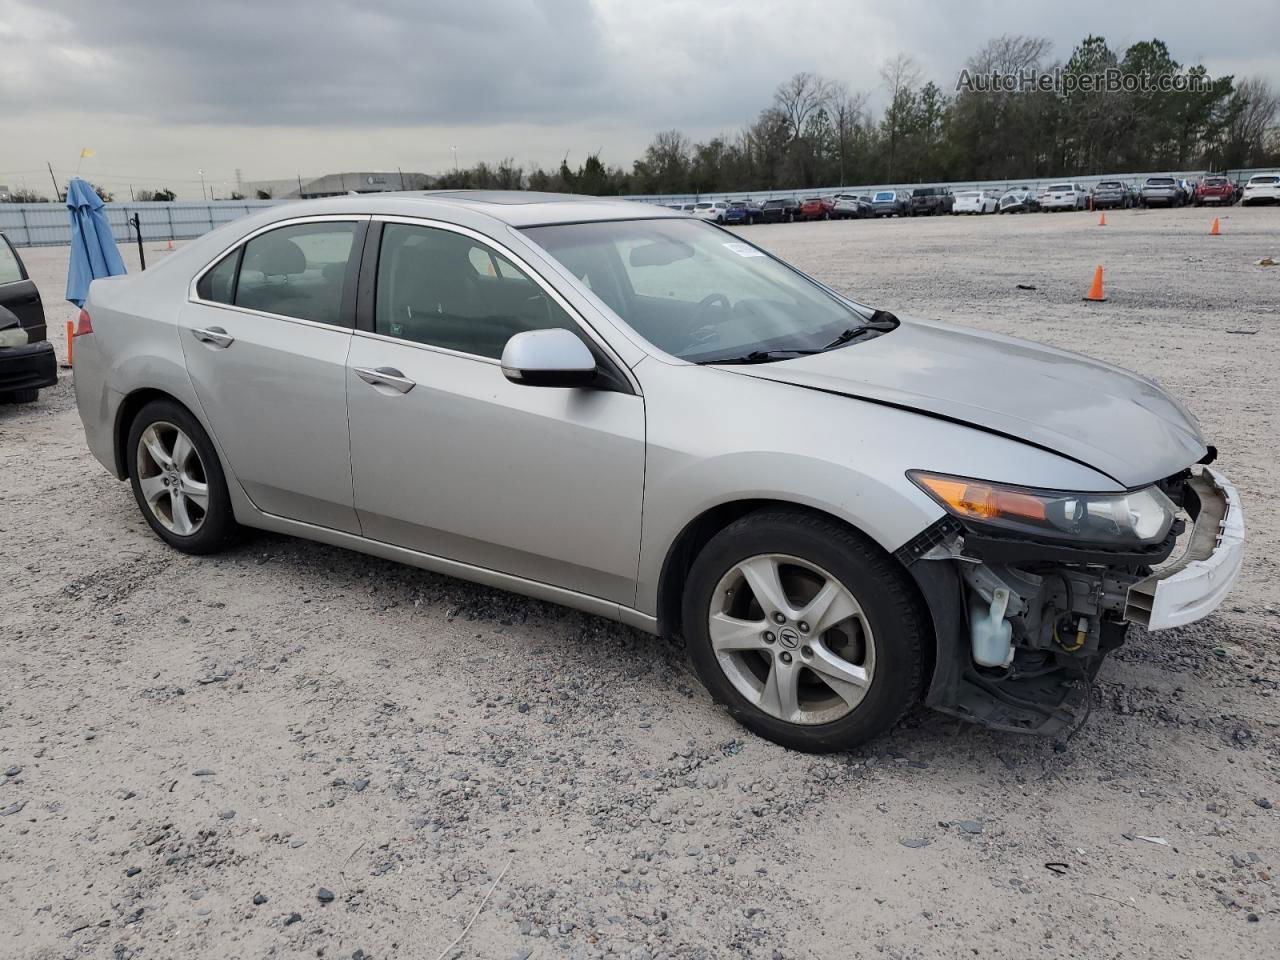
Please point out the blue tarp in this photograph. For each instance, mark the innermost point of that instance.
(93, 250)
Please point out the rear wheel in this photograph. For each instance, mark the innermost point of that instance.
(804, 630)
(21, 396)
(178, 481)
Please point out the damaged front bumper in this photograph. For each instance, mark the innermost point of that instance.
(1022, 628)
(1193, 586)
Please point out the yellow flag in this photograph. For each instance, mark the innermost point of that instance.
(86, 152)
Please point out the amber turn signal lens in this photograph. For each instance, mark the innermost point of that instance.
(982, 501)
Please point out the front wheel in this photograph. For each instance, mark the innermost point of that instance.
(178, 481)
(805, 630)
(30, 395)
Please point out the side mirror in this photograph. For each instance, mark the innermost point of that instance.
(548, 358)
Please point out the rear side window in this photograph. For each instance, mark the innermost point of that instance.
(444, 289)
(219, 284)
(298, 271)
(10, 268)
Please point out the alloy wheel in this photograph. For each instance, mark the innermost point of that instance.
(172, 478)
(791, 639)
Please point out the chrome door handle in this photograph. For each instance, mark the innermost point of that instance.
(386, 377)
(215, 335)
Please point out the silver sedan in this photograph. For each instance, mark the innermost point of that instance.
(638, 414)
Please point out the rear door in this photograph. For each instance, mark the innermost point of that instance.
(266, 337)
(19, 294)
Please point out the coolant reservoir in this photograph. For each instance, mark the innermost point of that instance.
(990, 633)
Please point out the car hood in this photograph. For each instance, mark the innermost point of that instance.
(1108, 418)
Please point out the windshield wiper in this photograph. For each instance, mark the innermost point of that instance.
(758, 356)
(881, 322)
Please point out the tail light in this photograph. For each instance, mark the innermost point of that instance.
(83, 324)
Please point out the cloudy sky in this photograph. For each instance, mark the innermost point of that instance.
(163, 88)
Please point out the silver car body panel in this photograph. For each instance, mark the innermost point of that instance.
(603, 461)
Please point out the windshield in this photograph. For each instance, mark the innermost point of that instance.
(694, 291)
(775, 203)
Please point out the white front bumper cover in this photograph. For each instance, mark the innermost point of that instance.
(1195, 584)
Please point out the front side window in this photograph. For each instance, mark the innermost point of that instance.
(297, 271)
(444, 289)
(10, 269)
(695, 293)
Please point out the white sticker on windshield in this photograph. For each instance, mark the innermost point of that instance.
(744, 250)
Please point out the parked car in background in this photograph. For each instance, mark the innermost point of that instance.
(849, 206)
(1161, 192)
(1215, 189)
(1112, 195)
(713, 210)
(889, 203)
(975, 201)
(1064, 196)
(742, 212)
(1019, 200)
(930, 201)
(27, 362)
(1261, 188)
(816, 208)
(779, 210)
(608, 405)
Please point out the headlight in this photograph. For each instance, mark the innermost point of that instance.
(1138, 518)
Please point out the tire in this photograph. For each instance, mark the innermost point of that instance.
(30, 395)
(885, 639)
(212, 525)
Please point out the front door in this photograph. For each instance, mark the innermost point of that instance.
(18, 293)
(451, 459)
(266, 342)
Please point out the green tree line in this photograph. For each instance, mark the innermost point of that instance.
(818, 132)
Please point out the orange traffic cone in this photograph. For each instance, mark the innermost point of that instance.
(1215, 231)
(1095, 291)
(1102, 219)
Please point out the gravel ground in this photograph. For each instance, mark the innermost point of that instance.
(294, 750)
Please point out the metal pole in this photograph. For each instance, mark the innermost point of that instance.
(299, 176)
(56, 196)
(401, 172)
(203, 193)
(136, 222)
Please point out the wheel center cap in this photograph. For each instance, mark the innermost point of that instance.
(789, 638)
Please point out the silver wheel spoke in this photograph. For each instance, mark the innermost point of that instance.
(831, 605)
(196, 492)
(153, 488)
(761, 574)
(847, 680)
(781, 696)
(155, 448)
(730, 633)
(182, 524)
(182, 450)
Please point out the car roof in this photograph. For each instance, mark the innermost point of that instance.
(516, 208)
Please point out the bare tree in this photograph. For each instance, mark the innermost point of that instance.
(1251, 114)
(848, 112)
(900, 76)
(1009, 53)
(801, 97)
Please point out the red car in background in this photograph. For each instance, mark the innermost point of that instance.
(816, 208)
(1215, 190)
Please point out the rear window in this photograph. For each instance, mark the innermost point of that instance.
(968, 195)
(1062, 187)
(1265, 180)
(702, 206)
(1215, 181)
(1109, 185)
(924, 192)
(775, 203)
(884, 195)
(1160, 181)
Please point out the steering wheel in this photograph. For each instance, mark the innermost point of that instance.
(711, 300)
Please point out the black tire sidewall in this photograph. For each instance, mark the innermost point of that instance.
(219, 528)
(891, 608)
